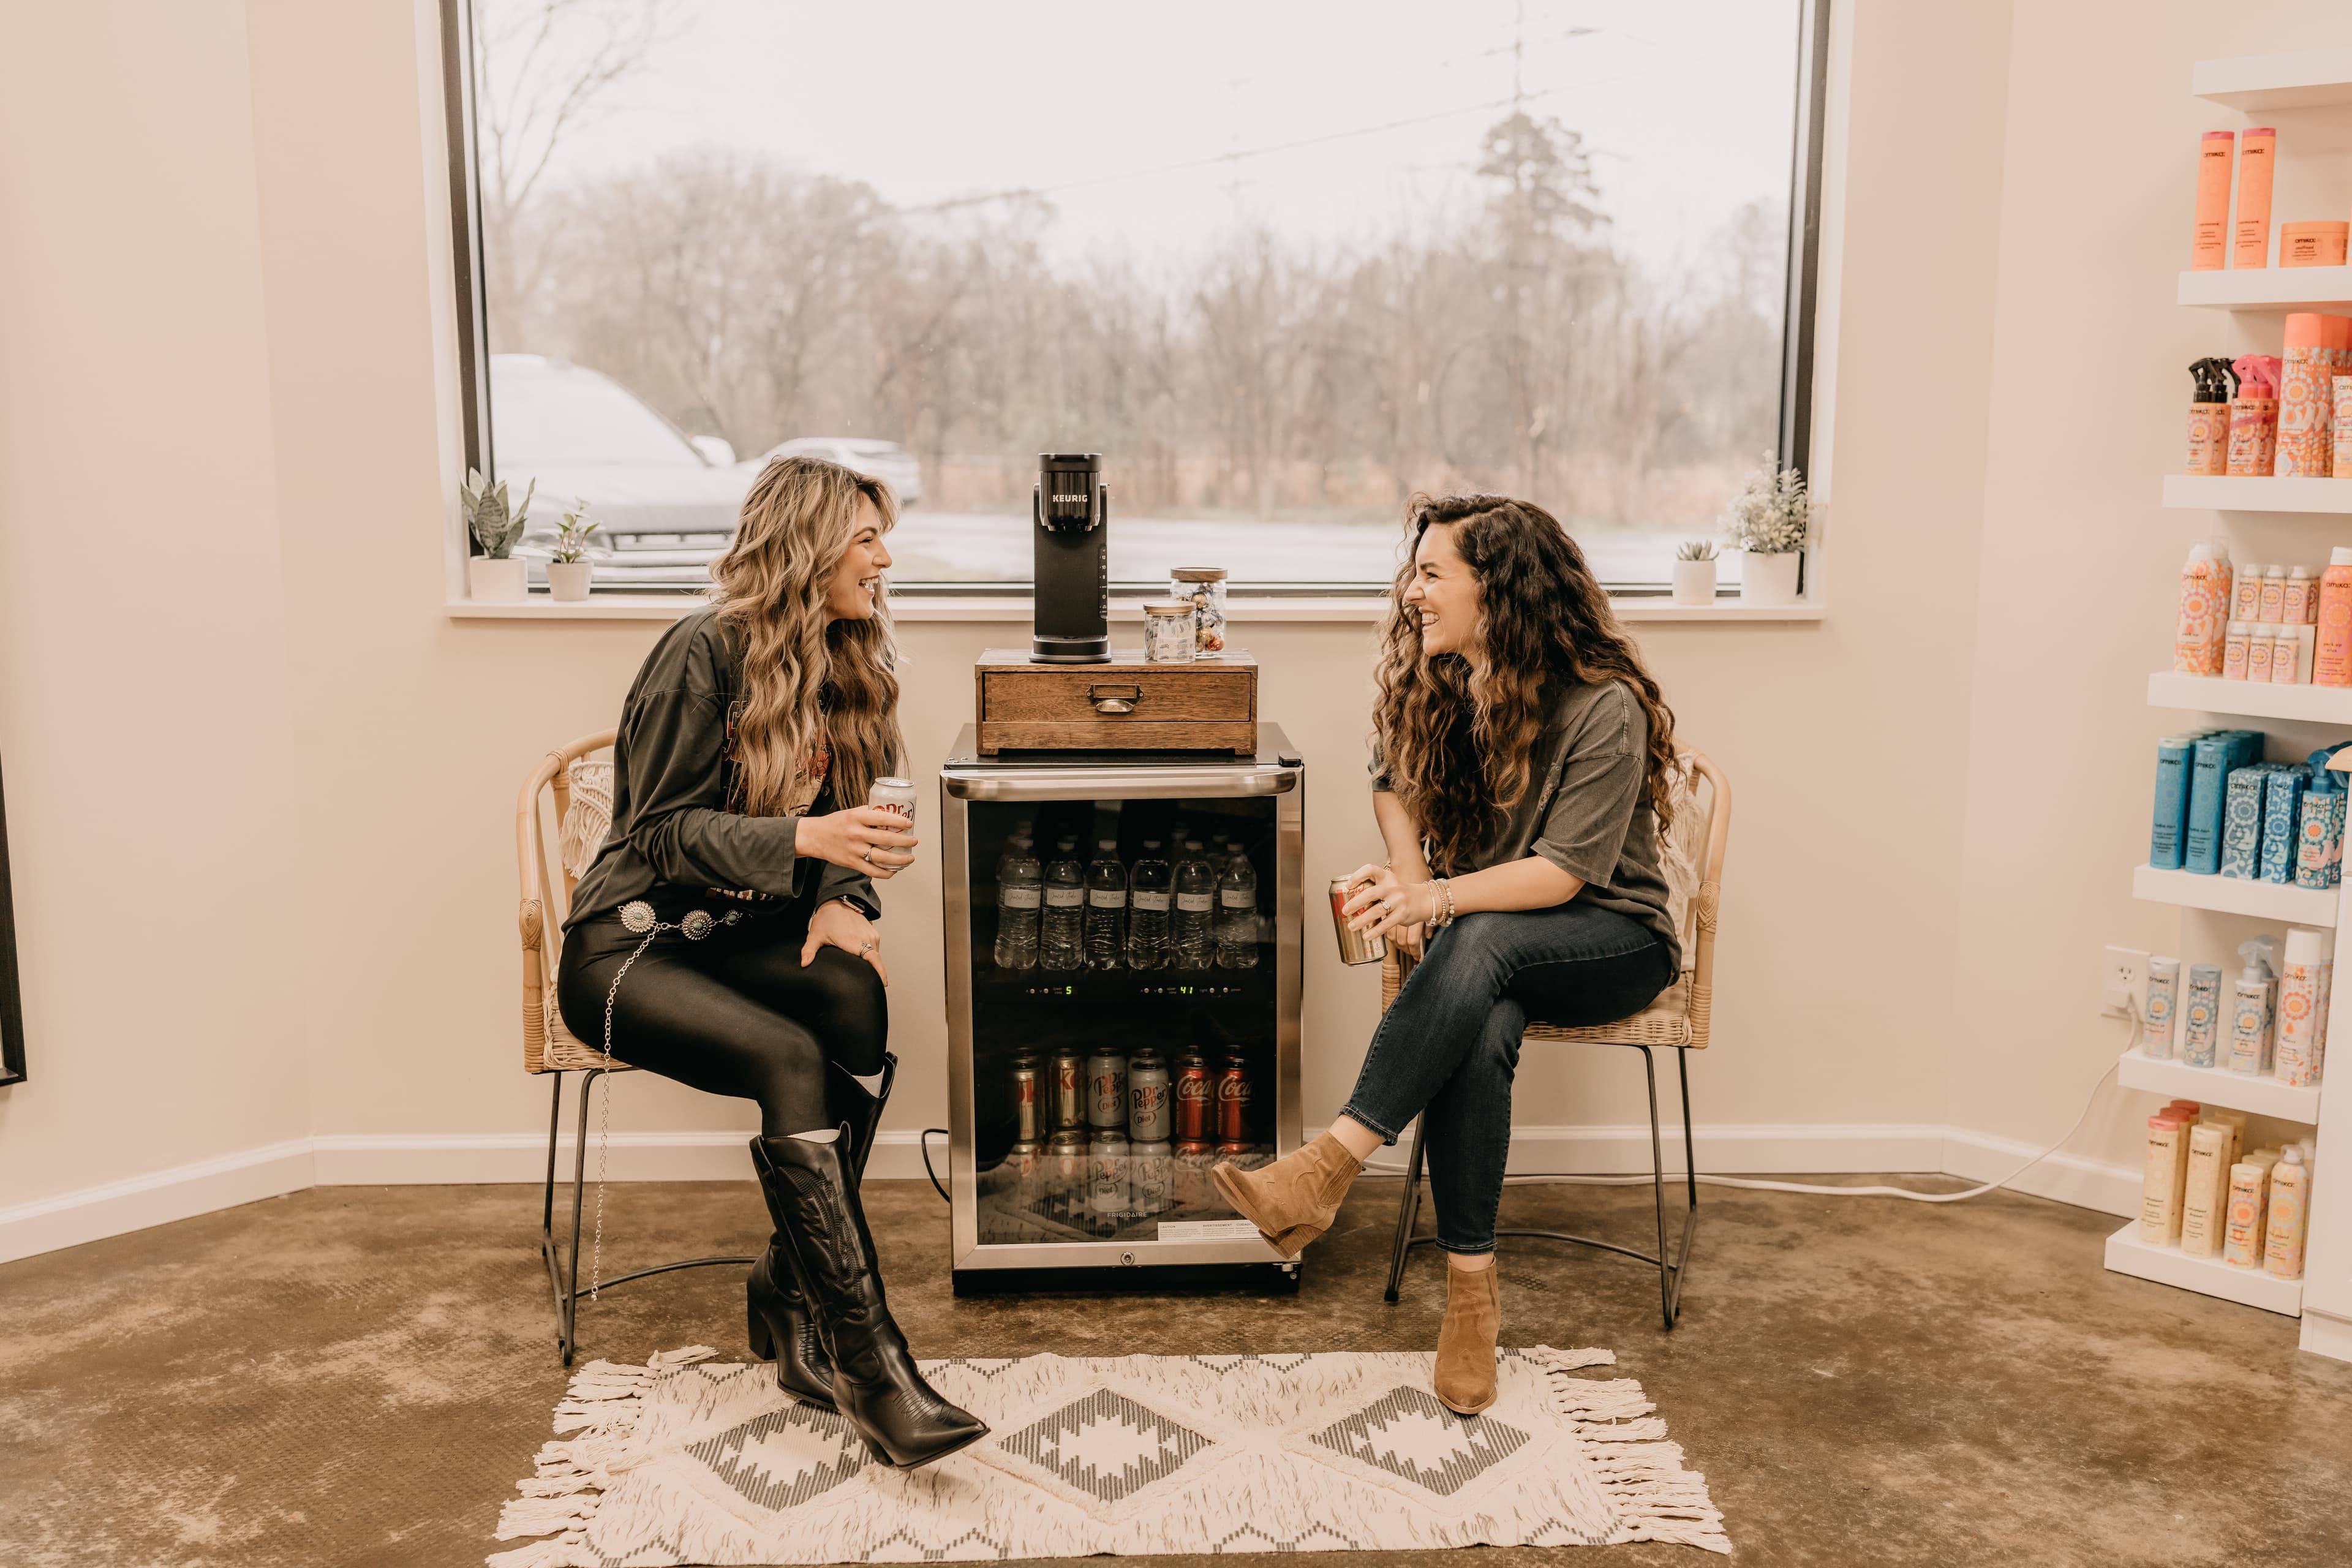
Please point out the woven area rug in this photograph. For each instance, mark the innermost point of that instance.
(685, 1460)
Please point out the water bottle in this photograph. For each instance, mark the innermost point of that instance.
(1016, 848)
(1146, 922)
(1066, 900)
(1237, 915)
(1195, 911)
(1017, 900)
(1105, 906)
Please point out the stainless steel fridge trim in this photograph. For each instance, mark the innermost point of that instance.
(1128, 783)
(1081, 784)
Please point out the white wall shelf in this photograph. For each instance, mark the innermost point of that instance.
(2269, 289)
(2126, 1254)
(2217, 493)
(2302, 79)
(2218, 1086)
(2251, 698)
(2237, 896)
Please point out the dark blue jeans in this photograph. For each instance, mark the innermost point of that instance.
(1449, 1047)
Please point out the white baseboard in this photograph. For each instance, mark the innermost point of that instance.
(2325, 1333)
(159, 1197)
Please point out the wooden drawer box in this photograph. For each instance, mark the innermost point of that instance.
(1124, 705)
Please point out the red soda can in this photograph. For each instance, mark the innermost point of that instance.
(1233, 1092)
(1069, 1091)
(1024, 1100)
(1195, 1094)
(1235, 1150)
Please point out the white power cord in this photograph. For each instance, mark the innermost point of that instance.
(1763, 1187)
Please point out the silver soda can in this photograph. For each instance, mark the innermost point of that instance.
(1147, 1097)
(1069, 1091)
(894, 794)
(1106, 1091)
(1355, 946)
(1106, 1174)
(1154, 1176)
(1063, 1181)
(1025, 1094)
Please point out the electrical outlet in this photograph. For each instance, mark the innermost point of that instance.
(2123, 976)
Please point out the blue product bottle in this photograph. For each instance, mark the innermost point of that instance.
(2200, 1015)
(2165, 842)
(2211, 760)
(2241, 821)
(2282, 819)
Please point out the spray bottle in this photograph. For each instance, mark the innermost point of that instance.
(2208, 416)
(2303, 999)
(2249, 1007)
(2254, 417)
(2201, 631)
(2290, 1208)
(2332, 664)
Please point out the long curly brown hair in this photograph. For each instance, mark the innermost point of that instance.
(809, 684)
(1456, 746)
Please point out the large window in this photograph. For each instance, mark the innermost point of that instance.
(1281, 264)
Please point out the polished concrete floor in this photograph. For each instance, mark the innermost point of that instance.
(359, 1375)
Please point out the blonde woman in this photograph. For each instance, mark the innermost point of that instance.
(724, 936)
(1522, 782)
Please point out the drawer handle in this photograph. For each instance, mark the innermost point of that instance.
(1107, 698)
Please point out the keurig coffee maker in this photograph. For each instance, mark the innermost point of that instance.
(1072, 515)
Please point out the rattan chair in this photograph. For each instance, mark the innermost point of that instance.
(1677, 1020)
(547, 1046)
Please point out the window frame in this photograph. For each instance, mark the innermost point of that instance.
(1793, 446)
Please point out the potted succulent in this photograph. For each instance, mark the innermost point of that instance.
(569, 570)
(494, 576)
(1695, 573)
(1770, 521)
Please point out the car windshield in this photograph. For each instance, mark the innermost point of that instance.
(562, 414)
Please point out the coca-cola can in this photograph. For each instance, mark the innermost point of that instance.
(1106, 1091)
(1147, 1097)
(1069, 1091)
(1153, 1176)
(1107, 1175)
(1234, 1149)
(1355, 946)
(1193, 1159)
(894, 794)
(1195, 1094)
(1233, 1092)
(1025, 1089)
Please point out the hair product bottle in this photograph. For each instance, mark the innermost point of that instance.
(2249, 1007)
(2210, 247)
(2298, 605)
(2257, 157)
(2332, 663)
(2160, 1014)
(2343, 385)
(2305, 982)
(2306, 400)
(2205, 1194)
(2290, 1208)
(2271, 595)
(2204, 607)
(2213, 383)
(2246, 593)
(2200, 1015)
(2241, 1236)
(2262, 642)
(2235, 649)
(2254, 417)
(2167, 1174)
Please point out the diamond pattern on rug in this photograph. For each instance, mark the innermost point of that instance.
(782, 1458)
(1106, 1445)
(1413, 1436)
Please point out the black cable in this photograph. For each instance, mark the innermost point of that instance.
(926, 1163)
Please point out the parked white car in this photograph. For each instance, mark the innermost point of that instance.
(665, 503)
(885, 460)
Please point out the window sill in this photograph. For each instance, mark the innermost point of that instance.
(911, 607)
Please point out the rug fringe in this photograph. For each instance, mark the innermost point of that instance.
(571, 1474)
(1656, 1498)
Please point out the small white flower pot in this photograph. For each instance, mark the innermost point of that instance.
(567, 581)
(1695, 582)
(495, 581)
(1768, 579)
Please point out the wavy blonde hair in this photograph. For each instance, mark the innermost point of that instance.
(808, 680)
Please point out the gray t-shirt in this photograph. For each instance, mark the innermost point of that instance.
(1585, 808)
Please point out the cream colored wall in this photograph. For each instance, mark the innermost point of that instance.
(145, 721)
(2090, 358)
(288, 363)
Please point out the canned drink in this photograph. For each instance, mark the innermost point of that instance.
(894, 794)
(1193, 1159)
(1234, 1150)
(1106, 1091)
(1233, 1092)
(1063, 1178)
(1069, 1091)
(1153, 1176)
(1147, 1097)
(1024, 1100)
(1107, 1174)
(1195, 1095)
(1355, 946)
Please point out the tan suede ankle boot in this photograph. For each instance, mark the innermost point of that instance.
(1294, 1200)
(1464, 1374)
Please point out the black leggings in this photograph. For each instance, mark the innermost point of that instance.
(734, 1013)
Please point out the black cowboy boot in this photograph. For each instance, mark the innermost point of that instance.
(875, 1382)
(776, 1317)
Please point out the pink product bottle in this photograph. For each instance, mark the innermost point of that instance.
(2271, 590)
(2254, 417)
(2203, 622)
(2246, 596)
(2261, 645)
(2331, 665)
(2343, 384)
(2234, 650)
(2306, 399)
(2297, 604)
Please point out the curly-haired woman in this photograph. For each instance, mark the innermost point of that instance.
(723, 936)
(1524, 754)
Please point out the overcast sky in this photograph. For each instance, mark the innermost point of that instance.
(1687, 105)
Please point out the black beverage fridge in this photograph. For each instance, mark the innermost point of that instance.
(1122, 985)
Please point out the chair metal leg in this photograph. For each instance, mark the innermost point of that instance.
(1658, 1189)
(1408, 1211)
(568, 1329)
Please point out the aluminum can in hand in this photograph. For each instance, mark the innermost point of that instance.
(894, 794)
(1355, 946)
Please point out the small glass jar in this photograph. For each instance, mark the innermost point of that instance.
(1167, 633)
(1203, 587)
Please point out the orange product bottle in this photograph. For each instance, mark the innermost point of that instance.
(2331, 665)
(2203, 627)
(2257, 155)
(2210, 249)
